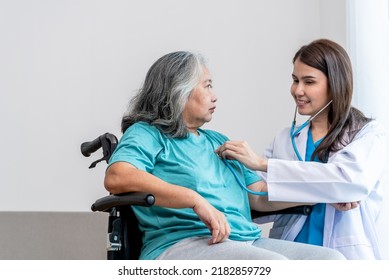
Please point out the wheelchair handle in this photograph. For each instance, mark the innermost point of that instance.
(105, 204)
(107, 142)
(88, 148)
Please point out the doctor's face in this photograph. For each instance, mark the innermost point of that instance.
(309, 89)
(201, 103)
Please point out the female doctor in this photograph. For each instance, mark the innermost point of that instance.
(336, 156)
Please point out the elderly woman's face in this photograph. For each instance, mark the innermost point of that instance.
(201, 103)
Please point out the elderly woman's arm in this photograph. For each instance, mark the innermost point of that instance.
(122, 177)
(261, 203)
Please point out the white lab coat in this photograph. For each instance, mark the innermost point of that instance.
(351, 174)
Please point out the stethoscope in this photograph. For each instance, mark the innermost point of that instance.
(292, 136)
(243, 186)
(233, 171)
(293, 133)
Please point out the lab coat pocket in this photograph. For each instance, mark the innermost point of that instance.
(354, 234)
(354, 247)
(351, 240)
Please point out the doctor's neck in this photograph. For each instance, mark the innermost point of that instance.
(319, 127)
(319, 123)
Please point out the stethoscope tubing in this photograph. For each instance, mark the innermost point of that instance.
(294, 133)
(238, 179)
(241, 183)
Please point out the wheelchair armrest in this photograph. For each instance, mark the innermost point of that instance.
(104, 204)
(297, 210)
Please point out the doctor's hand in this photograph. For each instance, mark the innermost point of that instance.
(345, 206)
(214, 219)
(241, 151)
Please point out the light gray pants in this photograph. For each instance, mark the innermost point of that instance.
(197, 248)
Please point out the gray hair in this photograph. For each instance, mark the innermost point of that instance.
(167, 86)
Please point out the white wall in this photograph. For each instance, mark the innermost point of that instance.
(334, 20)
(369, 45)
(68, 69)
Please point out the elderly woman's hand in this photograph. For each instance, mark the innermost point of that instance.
(214, 220)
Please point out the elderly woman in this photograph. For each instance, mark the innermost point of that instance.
(201, 212)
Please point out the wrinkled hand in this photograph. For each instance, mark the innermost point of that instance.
(345, 206)
(214, 220)
(241, 151)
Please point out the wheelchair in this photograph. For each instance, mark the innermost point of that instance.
(124, 238)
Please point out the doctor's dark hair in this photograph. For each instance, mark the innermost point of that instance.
(345, 120)
(165, 91)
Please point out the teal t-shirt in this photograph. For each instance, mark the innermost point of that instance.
(312, 231)
(190, 163)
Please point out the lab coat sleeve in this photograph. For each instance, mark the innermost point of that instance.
(268, 153)
(350, 174)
